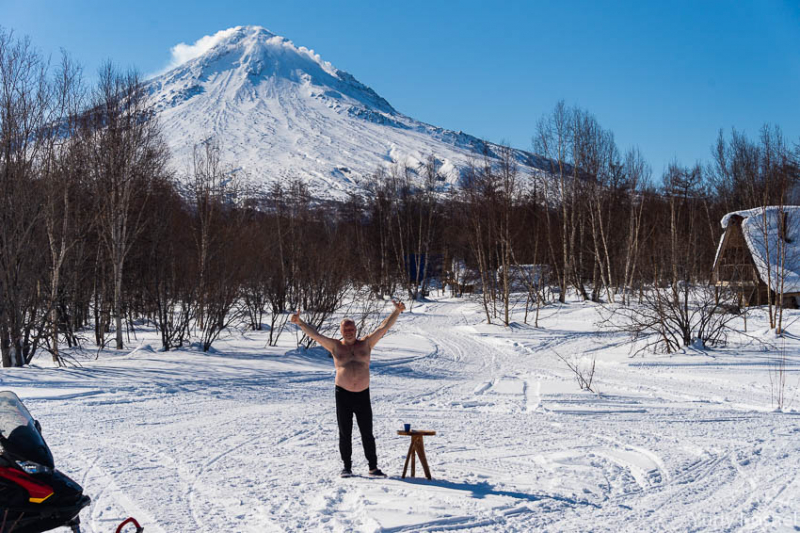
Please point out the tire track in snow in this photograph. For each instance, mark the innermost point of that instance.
(645, 477)
(191, 490)
(109, 486)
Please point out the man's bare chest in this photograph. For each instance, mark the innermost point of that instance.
(356, 353)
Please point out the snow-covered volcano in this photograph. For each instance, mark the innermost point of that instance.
(280, 112)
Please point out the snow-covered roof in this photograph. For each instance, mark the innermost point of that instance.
(775, 254)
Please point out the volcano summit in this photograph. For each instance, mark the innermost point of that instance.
(280, 112)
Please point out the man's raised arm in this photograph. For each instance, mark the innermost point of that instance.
(326, 342)
(378, 334)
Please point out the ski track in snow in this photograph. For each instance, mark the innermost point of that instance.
(245, 439)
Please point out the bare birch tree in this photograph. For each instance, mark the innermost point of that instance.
(25, 109)
(126, 155)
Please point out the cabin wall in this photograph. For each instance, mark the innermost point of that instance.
(735, 269)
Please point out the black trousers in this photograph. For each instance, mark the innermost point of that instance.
(349, 404)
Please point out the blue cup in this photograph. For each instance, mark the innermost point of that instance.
(406, 427)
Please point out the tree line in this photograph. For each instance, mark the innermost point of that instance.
(98, 236)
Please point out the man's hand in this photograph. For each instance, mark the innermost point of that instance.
(378, 334)
(325, 342)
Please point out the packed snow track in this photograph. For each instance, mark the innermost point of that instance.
(244, 438)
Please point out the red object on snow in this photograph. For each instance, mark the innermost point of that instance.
(130, 520)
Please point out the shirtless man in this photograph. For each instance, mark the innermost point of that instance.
(351, 358)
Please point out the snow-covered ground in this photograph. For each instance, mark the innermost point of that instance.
(244, 439)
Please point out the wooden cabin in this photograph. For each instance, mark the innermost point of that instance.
(741, 263)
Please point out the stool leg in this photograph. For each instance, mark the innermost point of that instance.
(415, 444)
(408, 456)
(423, 459)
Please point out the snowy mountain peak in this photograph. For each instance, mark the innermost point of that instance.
(248, 56)
(281, 112)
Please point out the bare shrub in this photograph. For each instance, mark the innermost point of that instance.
(365, 308)
(777, 377)
(582, 368)
(670, 318)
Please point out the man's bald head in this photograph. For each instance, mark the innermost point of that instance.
(348, 329)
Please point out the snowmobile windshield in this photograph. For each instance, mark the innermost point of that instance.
(18, 434)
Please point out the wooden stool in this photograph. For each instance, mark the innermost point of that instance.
(417, 448)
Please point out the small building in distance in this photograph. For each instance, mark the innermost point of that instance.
(524, 277)
(760, 252)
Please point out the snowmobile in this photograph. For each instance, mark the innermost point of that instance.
(34, 496)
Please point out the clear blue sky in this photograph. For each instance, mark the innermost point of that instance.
(662, 75)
